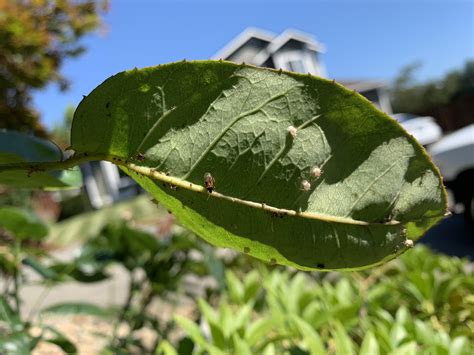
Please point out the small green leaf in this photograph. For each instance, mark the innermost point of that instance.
(459, 346)
(304, 172)
(85, 268)
(77, 308)
(22, 224)
(369, 345)
(46, 272)
(240, 346)
(310, 337)
(269, 350)
(397, 335)
(235, 287)
(60, 340)
(403, 316)
(243, 316)
(16, 147)
(165, 348)
(294, 292)
(258, 329)
(406, 349)
(209, 313)
(191, 329)
(215, 325)
(252, 285)
(226, 320)
(342, 340)
(423, 332)
(9, 316)
(67, 346)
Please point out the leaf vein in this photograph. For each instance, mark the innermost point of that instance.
(229, 125)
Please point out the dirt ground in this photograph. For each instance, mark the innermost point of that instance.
(90, 334)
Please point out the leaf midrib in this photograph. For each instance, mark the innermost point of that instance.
(181, 183)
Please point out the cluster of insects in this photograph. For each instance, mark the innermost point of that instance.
(315, 173)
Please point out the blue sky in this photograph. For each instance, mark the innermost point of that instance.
(364, 39)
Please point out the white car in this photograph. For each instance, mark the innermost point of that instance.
(454, 155)
(424, 129)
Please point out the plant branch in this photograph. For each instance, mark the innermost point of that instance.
(125, 309)
(31, 167)
(154, 174)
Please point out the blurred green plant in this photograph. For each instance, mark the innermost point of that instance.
(21, 241)
(421, 303)
(155, 270)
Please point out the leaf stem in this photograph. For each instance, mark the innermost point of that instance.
(32, 167)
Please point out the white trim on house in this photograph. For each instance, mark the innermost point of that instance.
(249, 33)
(362, 85)
(379, 86)
(283, 60)
(311, 43)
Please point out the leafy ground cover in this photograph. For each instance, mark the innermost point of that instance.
(422, 303)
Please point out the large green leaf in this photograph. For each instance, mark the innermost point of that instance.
(306, 172)
(16, 147)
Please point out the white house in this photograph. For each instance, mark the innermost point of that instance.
(294, 51)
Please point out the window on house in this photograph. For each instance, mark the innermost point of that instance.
(297, 65)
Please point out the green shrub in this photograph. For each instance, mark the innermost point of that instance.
(421, 303)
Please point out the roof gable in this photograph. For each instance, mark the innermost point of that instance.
(270, 43)
(242, 39)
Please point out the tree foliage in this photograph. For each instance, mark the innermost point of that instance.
(36, 36)
(410, 96)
